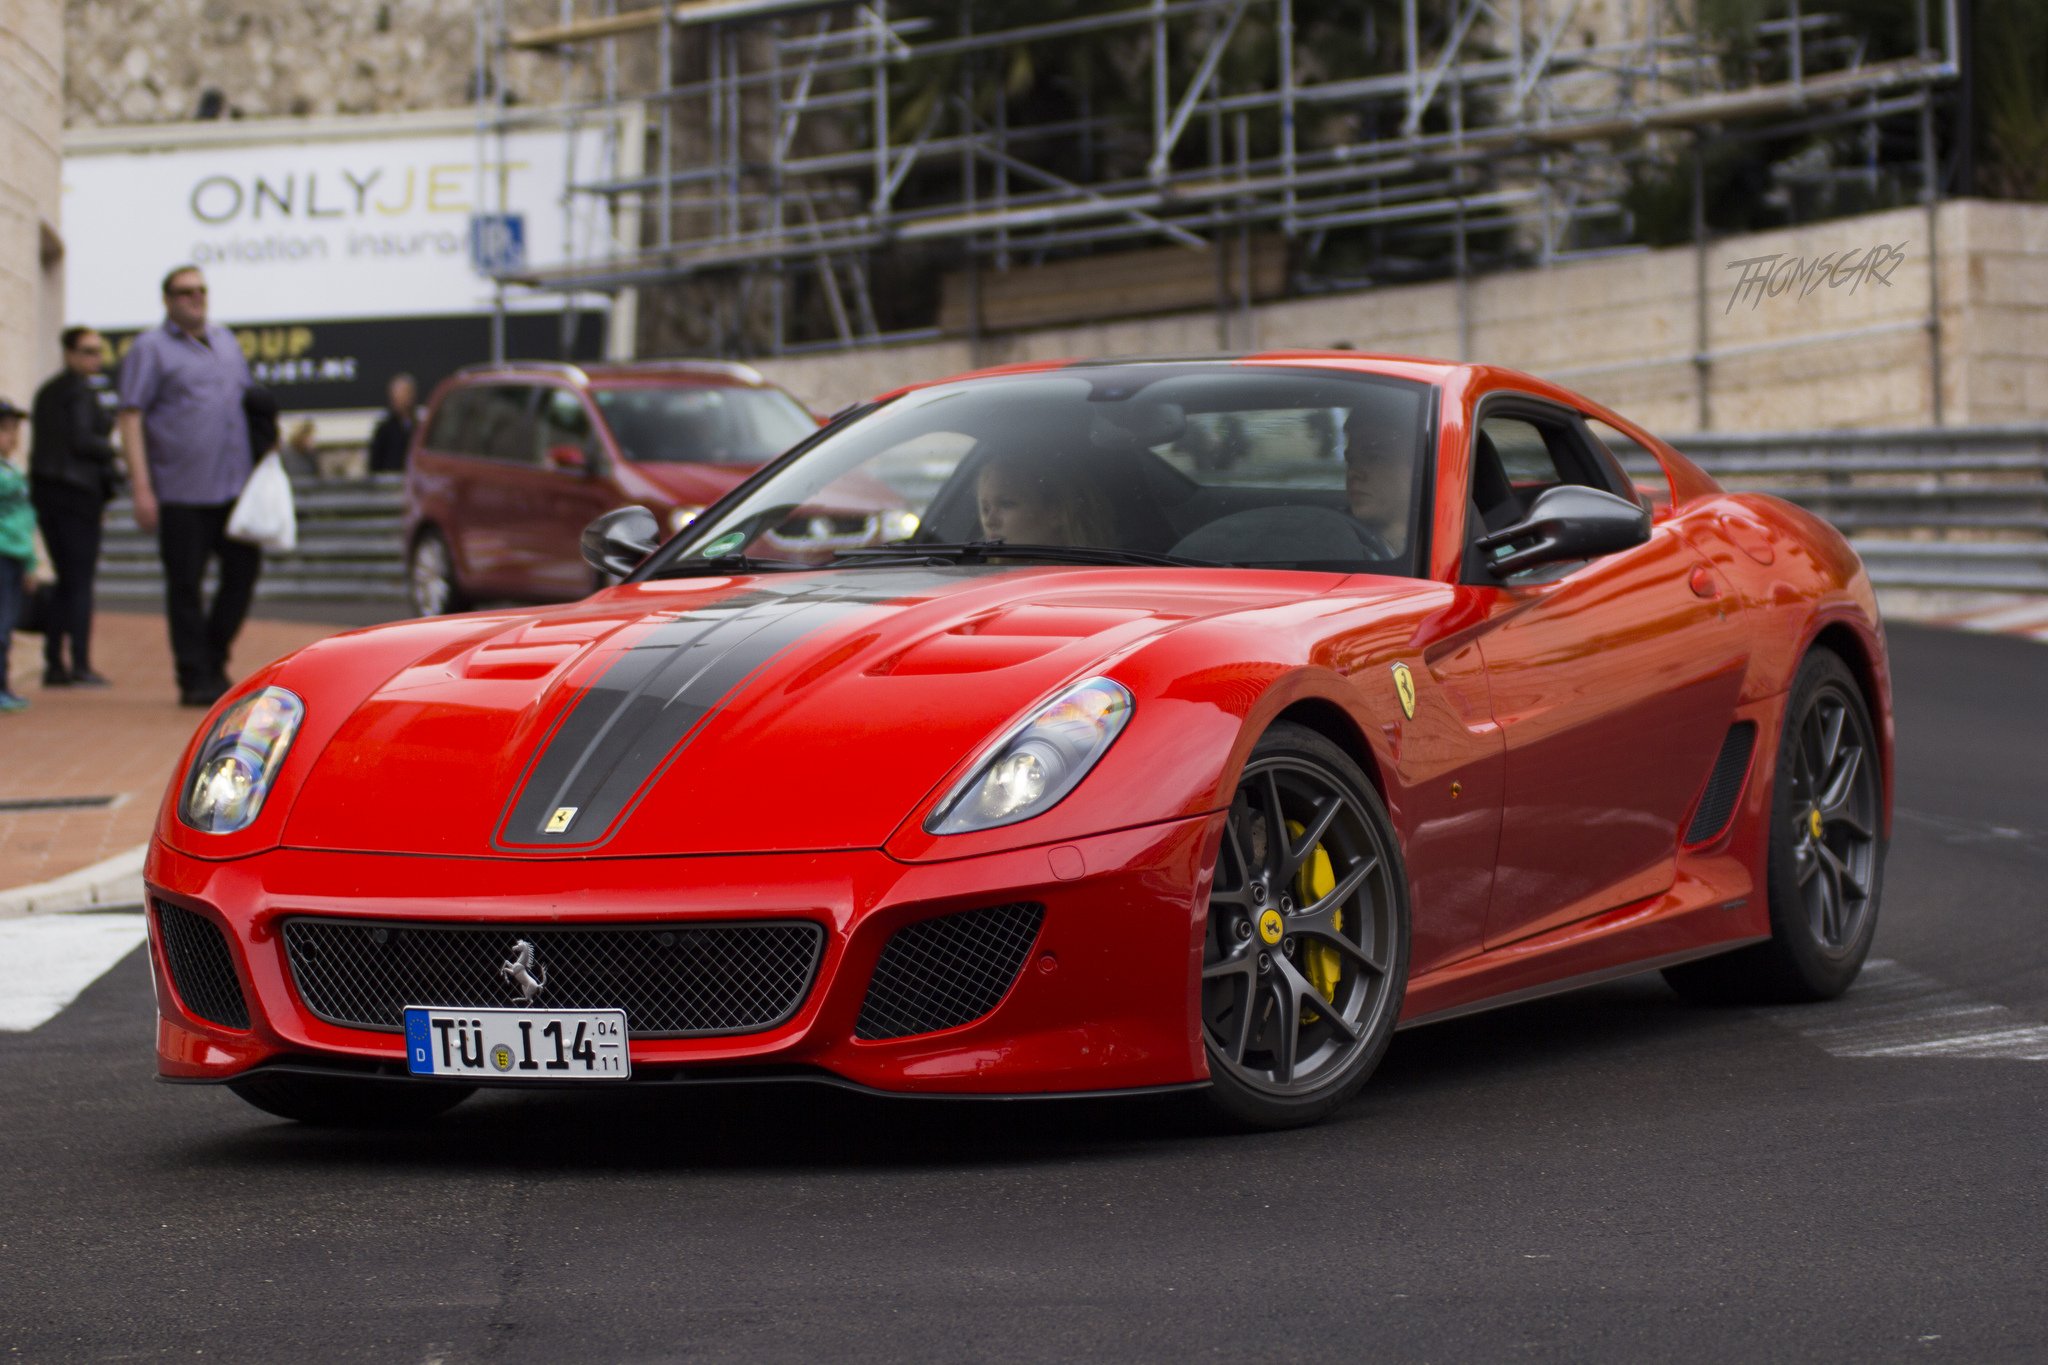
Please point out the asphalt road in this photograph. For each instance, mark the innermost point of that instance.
(1606, 1176)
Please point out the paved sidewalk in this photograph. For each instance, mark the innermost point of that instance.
(118, 742)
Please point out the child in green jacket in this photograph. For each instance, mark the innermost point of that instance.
(17, 542)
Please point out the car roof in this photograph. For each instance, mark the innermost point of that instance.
(1460, 375)
(601, 374)
(1428, 371)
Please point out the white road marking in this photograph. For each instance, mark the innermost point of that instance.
(1894, 1012)
(2026, 616)
(46, 961)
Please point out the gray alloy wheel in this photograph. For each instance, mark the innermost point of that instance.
(430, 576)
(1306, 954)
(346, 1102)
(1826, 852)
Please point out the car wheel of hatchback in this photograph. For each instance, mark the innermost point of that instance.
(430, 576)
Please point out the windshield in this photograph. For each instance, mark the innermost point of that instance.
(708, 425)
(1215, 462)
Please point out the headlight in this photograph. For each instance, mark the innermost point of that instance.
(682, 517)
(239, 761)
(899, 524)
(1039, 762)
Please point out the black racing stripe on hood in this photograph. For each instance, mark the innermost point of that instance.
(657, 695)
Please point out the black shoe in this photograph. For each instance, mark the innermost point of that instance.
(54, 676)
(206, 695)
(85, 677)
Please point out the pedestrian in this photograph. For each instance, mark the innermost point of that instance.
(393, 436)
(74, 472)
(301, 455)
(186, 440)
(17, 544)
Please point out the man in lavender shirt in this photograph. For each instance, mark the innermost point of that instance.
(186, 440)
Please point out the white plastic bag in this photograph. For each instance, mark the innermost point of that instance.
(263, 515)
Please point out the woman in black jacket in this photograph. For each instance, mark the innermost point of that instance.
(73, 472)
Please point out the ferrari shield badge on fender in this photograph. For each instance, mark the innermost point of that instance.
(559, 821)
(1404, 684)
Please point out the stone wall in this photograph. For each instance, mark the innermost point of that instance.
(149, 61)
(1624, 329)
(31, 159)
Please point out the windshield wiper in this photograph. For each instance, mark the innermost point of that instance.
(728, 564)
(986, 551)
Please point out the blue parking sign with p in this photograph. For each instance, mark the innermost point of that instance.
(497, 241)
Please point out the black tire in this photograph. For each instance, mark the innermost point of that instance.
(1326, 905)
(430, 581)
(344, 1102)
(1826, 869)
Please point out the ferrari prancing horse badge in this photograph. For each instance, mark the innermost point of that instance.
(1404, 684)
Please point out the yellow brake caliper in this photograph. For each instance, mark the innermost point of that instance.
(1319, 961)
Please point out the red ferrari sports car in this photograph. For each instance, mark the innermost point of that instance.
(1219, 718)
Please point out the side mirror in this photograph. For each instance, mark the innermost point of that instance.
(568, 457)
(618, 541)
(1566, 523)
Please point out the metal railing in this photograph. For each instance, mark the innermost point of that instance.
(1960, 509)
(349, 547)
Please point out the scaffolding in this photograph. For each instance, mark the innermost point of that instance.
(791, 149)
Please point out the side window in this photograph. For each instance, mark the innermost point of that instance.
(1520, 453)
(564, 421)
(1525, 454)
(503, 428)
(449, 431)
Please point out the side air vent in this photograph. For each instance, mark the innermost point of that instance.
(1724, 784)
(201, 967)
(941, 973)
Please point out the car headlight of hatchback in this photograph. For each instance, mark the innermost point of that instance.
(239, 760)
(682, 517)
(1039, 762)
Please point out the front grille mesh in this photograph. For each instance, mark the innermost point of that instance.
(201, 967)
(941, 973)
(1724, 784)
(671, 980)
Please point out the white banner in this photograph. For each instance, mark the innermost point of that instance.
(377, 227)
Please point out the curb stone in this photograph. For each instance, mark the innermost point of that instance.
(107, 884)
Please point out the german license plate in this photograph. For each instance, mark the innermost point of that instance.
(517, 1045)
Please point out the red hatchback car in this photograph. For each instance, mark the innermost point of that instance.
(514, 460)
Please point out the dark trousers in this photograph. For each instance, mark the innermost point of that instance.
(70, 522)
(13, 589)
(187, 536)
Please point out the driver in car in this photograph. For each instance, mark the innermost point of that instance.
(1379, 470)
